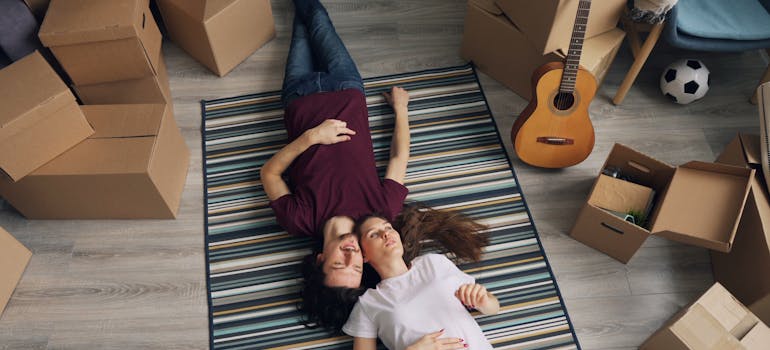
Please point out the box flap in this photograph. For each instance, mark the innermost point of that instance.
(27, 85)
(639, 167)
(132, 120)
(620, 195)
(70, 22)
(758, 338)
(700, 329)
(728, 311)
(751, 149)
(13, 260)
(703, 204)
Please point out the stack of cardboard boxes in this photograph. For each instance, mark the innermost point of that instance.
(509, 39)
(121, 156)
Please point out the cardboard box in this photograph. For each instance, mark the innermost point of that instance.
(500, 50)
(599, 52)
(696, 203)
(715, 321)
(148, 90)
(219, 34)
(761, 308)
(38, 8)
(548, 24)
(133, 167)
(13, 260)
(100, 41)
(39, 119)
(745, 271)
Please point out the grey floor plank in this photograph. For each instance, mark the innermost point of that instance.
(140, 284)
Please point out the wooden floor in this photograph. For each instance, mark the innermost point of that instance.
(141, 284)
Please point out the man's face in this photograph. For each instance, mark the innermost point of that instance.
(341, 259)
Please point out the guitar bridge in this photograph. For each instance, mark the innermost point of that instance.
(556, 141)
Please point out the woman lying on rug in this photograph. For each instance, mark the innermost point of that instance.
(333, 175)
(420, 298)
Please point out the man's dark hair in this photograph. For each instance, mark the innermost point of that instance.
(323, 306)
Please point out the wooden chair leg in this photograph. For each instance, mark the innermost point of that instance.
(765, 78)
(632, 33)
(641, 58)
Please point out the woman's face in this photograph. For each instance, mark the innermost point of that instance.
(379, 241)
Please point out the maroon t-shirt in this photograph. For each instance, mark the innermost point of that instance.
(338, 179)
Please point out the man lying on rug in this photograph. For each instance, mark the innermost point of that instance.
(333, 176)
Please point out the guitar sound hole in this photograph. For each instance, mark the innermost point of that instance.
(563, 101)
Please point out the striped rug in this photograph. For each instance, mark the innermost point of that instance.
(457, 162)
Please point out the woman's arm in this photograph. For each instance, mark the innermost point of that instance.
(398, 98)
(476, 296)
(329, 132)
(364, 343)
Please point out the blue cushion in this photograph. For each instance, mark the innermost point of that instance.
(723, 19)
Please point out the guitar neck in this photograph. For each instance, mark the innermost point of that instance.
(572, 62)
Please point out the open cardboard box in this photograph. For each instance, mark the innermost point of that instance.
(716, 321)
(98, 41)
(499, 49)
(133, 167)
(696, 203)
(547, 24)
(13, 260)
(39, 118)
(219, 34)
(745, 271)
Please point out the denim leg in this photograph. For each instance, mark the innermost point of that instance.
(299, 63)
(328, 48)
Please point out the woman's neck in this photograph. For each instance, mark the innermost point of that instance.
(390, 269)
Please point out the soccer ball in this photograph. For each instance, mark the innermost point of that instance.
(685, 81)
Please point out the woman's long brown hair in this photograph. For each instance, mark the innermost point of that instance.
(424, 229)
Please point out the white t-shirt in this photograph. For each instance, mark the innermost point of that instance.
(403, 309)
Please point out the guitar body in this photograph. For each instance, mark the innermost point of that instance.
(554, 132)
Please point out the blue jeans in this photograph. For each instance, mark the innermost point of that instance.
(318, 60)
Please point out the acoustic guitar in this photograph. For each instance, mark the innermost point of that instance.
(555, 131)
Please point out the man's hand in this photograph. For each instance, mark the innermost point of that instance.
(329, 132)
(397, 98)
(431, 341)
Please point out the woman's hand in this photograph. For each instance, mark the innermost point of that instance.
(397, 98)
(329, 132)
(476, 296)
(431, 341)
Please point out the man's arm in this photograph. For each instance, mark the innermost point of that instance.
(398, 98)
(329, 132)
